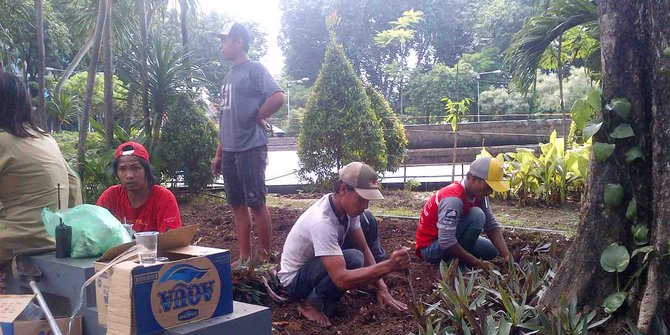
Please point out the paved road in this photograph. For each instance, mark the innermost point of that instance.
(282, 165)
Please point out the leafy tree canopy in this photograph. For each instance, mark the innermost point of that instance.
(427, 88)
(18, 39)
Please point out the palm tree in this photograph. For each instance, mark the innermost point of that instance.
(169, 70)
(536, 41)
(532, 45)
(83, 23)
(63, 109)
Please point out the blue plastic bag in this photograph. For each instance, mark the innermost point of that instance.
(94, 229)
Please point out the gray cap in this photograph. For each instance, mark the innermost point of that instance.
(363, 179)
(234, 30)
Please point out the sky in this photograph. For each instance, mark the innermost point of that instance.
(265, 12)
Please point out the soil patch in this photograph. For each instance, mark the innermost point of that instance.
(359, 312)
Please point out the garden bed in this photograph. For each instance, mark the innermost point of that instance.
(359, 312)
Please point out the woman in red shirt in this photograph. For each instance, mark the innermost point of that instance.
(138, 199)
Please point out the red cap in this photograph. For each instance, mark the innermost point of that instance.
(131, 149)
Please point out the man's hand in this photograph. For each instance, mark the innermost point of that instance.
(265, 124)
(384, 298)
(399, 259)
(484, 265)
(215, 168)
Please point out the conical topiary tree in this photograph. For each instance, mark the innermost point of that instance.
(394, 131)
(338, 125)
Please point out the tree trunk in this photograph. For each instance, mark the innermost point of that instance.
(633, 35)
(41, 58)
(183, 4)
(73, 64)
(561, 102)
(90, 82)
(109, 77)
(142, 13)
(130, 108)
(158, 122)
(656, 298)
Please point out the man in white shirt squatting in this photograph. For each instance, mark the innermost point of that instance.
(314, 268)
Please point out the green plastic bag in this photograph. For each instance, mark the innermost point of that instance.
(94, 229)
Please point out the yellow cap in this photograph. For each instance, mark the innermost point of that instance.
(491, 170)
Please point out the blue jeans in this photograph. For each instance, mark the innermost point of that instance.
(371, 233)
(313, 284)
(467, 234)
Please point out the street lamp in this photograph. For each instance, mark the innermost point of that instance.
(288, 95)
(478, 75)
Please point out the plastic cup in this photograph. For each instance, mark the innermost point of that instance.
(147, 242)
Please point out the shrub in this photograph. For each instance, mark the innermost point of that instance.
(549, 177)
(576, 85)
(338, 126)
(502, 101)
(188, 144)
(501, 302)
(394, 131)
(98, 170)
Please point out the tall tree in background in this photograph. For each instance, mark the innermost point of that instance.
(90, 82)
(338, 126)
(445, 31)
(41, 62)
(185, 8)
(626, 202)
(400, 35)
(109, 76)
(427, 88)
(494, 22)
(144, 67)
(18, 36)
(303, 37)
(82, 18)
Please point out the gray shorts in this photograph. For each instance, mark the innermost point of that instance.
(244, 176)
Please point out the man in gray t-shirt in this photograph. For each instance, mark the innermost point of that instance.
(248, 97)
(316, 269)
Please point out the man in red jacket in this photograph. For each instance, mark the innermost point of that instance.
(453, 219)
(139, 200)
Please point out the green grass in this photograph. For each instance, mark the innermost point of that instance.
(274, 200)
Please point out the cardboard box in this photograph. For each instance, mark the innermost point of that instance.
(10, 308)
(194, 285)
